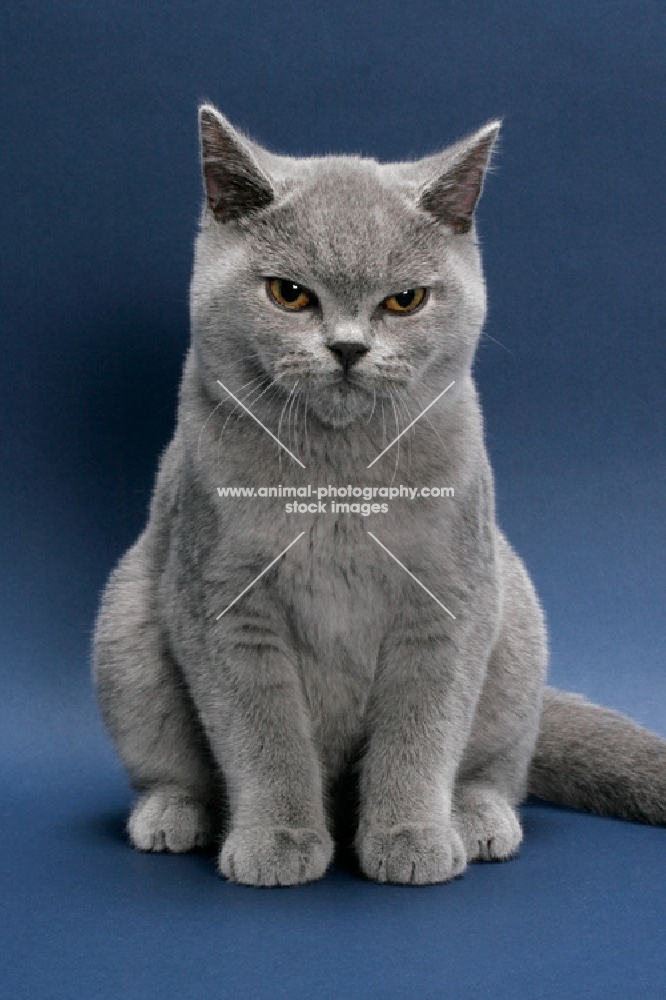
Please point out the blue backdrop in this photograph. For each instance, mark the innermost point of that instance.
(100, 196)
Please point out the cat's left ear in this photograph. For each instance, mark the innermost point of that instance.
(453, 195)
(235, 183)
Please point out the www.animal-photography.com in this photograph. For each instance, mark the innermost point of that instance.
(334, 407)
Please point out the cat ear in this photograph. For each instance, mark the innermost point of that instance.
(234, 182)
(452, 197)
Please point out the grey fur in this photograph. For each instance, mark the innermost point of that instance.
(336, 666)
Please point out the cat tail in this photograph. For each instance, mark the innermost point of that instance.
(596, 759)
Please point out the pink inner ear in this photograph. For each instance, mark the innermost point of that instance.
(217, 186)
(453, 196)
(234, 183)
(214, 182)
(466, 192)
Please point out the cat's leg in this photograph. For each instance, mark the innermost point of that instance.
(150, 716)
(259, 728)
(492, 778)
(419, 715)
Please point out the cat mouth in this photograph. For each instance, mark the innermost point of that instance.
(347, 386)
(342, 399)
(347, 382)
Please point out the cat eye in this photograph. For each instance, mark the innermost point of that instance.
(405, 302)
(290, 295)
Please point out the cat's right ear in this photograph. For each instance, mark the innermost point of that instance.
(460, 171)
(234, 182)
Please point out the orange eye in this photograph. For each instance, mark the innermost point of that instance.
(289, 295)
(405, 302)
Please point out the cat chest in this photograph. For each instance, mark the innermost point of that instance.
(337, 599)
(338, 612)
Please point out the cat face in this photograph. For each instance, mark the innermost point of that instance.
(346, 278)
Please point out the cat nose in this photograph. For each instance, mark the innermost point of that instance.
(348, 352)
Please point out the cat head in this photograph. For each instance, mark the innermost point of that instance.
(341, 275)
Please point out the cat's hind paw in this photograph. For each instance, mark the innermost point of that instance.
(411, 854)
(167, 819)
(275, 855)
(488, 826)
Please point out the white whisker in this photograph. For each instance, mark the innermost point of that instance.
(408, 439)
(231, 413)
(280, 425)
(397, 431)
(291, 407)
(429, 421)
(307, 439)
(374, 400)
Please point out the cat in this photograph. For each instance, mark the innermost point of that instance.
(270, 677)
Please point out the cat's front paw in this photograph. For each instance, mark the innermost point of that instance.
(275, 855)
(411, 854)
(488, 825)
(167, 819)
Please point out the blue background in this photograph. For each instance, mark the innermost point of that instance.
(100, 196)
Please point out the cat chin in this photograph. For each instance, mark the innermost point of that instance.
(340, 411)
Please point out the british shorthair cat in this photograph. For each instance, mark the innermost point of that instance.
(253, 658)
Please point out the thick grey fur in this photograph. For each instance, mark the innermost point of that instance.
(335, 666)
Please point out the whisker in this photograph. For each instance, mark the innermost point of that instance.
(231, 413)
(239, 412)
(374, 400)
(240, 364)
(429, 421)
(408, 438)
(291, 407)
(258, 378)
(271, 385)
(305, 425)
(251, 393)
(203, 427)
(381, 398)
(498, 342)
(214, 410)
(301, 441)
(286, 403)
(397, 431)
(244, 357)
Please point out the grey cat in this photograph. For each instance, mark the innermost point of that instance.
(343, 295)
